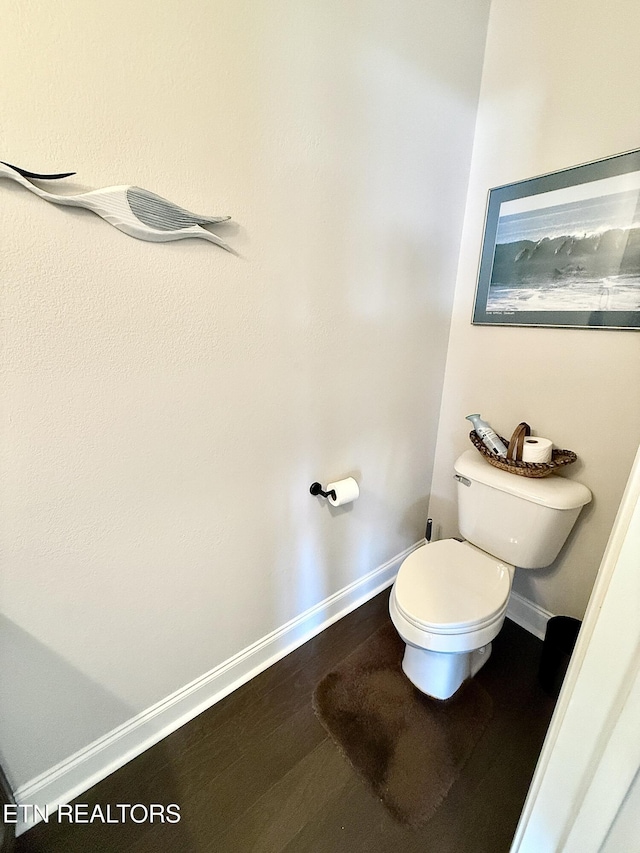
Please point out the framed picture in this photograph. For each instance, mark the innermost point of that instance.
(564, 249)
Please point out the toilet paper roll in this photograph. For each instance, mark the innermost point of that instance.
(346, 490)
(536, 449)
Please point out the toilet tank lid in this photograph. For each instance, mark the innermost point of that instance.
(552, 491)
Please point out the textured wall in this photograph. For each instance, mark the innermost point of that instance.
(167, 406)
(561, 85)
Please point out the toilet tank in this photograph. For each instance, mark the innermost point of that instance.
(522, 520)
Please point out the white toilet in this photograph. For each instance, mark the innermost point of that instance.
(450, 597)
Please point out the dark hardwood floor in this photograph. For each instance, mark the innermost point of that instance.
(257, 773)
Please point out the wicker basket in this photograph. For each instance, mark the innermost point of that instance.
(524, 469)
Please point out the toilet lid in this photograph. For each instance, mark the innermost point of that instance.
(449, 585)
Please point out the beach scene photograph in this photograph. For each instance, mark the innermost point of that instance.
(572, 249)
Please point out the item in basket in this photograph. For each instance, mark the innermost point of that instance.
(488, 437)
(537, 449)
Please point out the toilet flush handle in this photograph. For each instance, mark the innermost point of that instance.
(461, 479)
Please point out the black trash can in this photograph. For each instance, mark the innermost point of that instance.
(559, 641)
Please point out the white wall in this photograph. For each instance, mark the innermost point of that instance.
(167, 406)
(561, 86)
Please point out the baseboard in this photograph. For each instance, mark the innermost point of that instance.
(529, 616)
(76, 774)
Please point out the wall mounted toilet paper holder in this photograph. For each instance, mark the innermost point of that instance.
(316, 489)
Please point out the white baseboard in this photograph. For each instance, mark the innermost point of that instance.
(529, 616)
(76, 774)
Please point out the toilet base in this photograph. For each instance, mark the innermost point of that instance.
(440, 674)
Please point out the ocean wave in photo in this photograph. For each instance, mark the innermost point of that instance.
(614, 293)
(586, 217)
(612, 253)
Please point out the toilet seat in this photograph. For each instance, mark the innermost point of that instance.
(450, 587)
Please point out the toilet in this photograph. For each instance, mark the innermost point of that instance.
(450, 597)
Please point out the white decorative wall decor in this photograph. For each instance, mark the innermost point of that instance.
(137, 212)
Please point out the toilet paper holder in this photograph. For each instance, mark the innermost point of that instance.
(316, 489)
(339, 492)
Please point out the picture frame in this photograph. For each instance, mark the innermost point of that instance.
(563, 249)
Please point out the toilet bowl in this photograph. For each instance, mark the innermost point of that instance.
(448, 603)
(450, 597)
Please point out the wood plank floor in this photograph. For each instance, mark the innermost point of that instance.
(257, 773)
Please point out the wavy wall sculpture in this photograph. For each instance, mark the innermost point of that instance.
(137, 212)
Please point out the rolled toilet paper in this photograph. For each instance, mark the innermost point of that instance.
(536, 449)
(346, 490)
